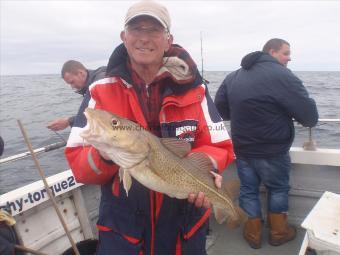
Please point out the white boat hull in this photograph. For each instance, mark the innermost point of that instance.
(38, 226)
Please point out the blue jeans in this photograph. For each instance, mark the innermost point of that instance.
(273, 173)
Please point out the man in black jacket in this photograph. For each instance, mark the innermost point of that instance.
(261, 99)
(79, 78)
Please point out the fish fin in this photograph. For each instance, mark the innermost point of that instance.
(7, 218)
(233, 223)
(201, 161)
(121, 174)
(179, 147)
(232, 187)
(127, 181)
(199, 166)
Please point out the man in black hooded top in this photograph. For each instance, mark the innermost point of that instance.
(261, 99)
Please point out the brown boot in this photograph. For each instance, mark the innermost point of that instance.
(252, 232)
(280, 232)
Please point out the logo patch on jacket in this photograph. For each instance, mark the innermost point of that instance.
(183, 130)
(186, 133)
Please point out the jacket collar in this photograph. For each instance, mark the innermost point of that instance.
(179, 72)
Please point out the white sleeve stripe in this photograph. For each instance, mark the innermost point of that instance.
(92, 164)
(75, 139)
(103, 82)
(218, 131)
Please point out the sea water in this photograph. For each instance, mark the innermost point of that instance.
(37, 99)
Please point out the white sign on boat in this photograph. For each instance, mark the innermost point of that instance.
(29, 196)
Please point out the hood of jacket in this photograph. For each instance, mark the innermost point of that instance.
(253, 58)
(92, 75)
(178, 69)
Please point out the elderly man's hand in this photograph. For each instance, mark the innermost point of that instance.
(200, 200)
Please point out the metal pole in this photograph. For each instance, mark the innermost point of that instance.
(310, 145)
(47, 148)
(54, 203)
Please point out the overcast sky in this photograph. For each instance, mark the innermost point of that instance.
(37, 37)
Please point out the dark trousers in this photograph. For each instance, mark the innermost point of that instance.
(273, 173)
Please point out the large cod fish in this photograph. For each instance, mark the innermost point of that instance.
(160, 164)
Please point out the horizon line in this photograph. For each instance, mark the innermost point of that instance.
(199, 71)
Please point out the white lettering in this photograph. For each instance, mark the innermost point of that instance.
(37, 196)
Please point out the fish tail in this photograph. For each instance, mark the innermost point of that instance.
(220, 214)
(234, 222)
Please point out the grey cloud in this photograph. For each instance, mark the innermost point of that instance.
(37, 36)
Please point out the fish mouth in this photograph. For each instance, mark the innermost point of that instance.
(89, 128)
(95, 126)
(89, 113)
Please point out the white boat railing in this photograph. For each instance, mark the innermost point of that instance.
(329, 120)
(308, 145)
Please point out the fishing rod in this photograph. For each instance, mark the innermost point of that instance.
(47, 148)
(202, 55)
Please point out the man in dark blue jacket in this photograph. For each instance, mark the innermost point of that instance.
(261, 99)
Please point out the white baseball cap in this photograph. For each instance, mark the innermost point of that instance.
(149, 8)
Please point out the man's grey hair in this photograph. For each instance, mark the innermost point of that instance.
(71, 66)
(274, 44)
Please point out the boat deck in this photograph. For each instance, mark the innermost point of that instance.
(36, 219)
(224, 241)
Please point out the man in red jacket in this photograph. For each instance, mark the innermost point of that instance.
(155, 83)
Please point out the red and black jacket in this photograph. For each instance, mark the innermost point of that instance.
(151, 221)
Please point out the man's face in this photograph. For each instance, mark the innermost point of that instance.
(77, 81)
(146, 40)
(282, 55)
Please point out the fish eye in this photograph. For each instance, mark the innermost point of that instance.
(114, 122)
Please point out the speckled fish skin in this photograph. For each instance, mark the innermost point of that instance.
(159, 164)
